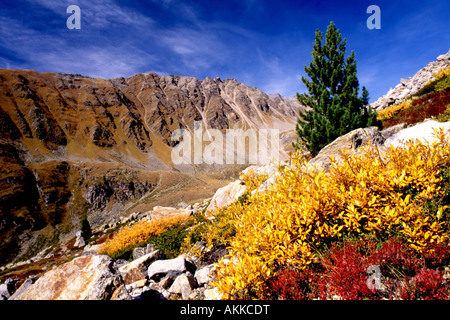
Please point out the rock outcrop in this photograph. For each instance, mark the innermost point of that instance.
(352, 141)
(227, 195)
(96, 277)
(85, 278)
(424, 132)
(408, 87)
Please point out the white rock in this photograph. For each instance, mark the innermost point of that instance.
(4, 293)
(444, 56)
(84, 278)
(423, 132)
(212, 294)
(141, 262)
(164, 266)
(183, 284)
(204, 275)
(227, 195)
(92, 249)
(79, 242)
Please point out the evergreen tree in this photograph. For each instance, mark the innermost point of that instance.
(332, 94)
(86, 231)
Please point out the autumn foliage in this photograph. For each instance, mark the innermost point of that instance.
(371, 194)
(433, 100)
(343, 272)
(412, 111)
(130, 236)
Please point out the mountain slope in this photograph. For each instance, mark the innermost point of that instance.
(71, 146)
(130, 120)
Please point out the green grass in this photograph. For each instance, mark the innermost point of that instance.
(434, 86)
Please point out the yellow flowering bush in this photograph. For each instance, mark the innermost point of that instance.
(129, 236)
(253, 180)
(391, 111)
(368, 193)
(441, 73)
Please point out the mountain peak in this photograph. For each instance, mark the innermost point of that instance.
(72, 145)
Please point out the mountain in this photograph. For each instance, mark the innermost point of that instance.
(72, 145)
(48, 184)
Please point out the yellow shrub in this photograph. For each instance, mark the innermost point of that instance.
(441, 73)
(388, 112)
(253, 180)
(364, 194)
(132, 235)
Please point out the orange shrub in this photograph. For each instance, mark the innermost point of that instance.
(130, 236)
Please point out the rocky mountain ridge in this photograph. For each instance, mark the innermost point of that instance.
(135, 279)
(128, 120)
(412, 85)
(72, 146)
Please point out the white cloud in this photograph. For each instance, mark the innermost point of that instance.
(285, 84)
(99, 13)
(45, 52)
(93, 61)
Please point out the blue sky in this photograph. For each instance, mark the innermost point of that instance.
(262, 43)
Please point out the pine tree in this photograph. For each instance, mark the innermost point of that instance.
(332, 94)
(86, 231)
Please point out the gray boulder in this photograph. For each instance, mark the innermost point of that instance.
(4, 293)
(160, 268)
(135, 270)
(141, 251)
(227, 195)
(88, 277)
(351, 141)
(183, 284)
(79, 242)
(22, 288)
(204, 275)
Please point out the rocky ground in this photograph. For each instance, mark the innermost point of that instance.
(78, 271)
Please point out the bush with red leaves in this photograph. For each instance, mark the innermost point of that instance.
(346, 273)
(428, 106)
(437, 255)
(428, 284)
(294, 285)
(342, 273)
(396, 259)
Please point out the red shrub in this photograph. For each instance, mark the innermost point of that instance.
(342, 271)
(428, 106)
(346, 273)
(293, 285)
(437, 255)
(428, 284)
(396, 259)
